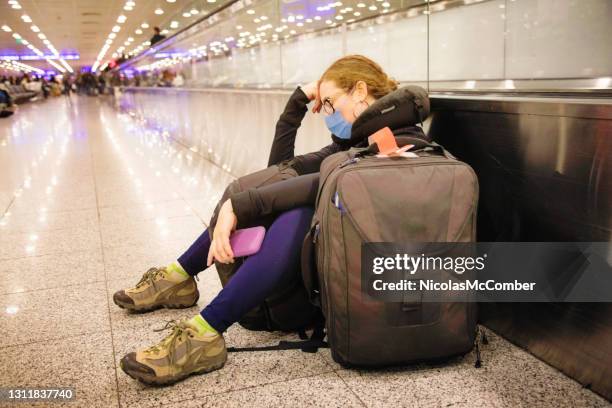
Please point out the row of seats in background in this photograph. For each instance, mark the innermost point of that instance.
(11, 95)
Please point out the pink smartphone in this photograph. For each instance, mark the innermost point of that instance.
(247, 241)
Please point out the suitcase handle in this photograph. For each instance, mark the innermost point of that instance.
(419, 145)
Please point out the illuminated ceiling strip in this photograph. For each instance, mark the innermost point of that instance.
(37, 57)
(129, 6)
(174, 24)
(15, 5)
(33, 48)
(59, 68)
(19, 66)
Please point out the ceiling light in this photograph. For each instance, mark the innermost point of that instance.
(16, 6)
(171, 1)
(35, 28)
(112, 35)
(174, 24)
(164, 32)
(194, 12)
(144, 25)
(26, 18)
(186, 14)
(121, 19)
(16, 36)
(42, 36)
(138, 31)
(250, 11)
(6, 28)
(116, 29)
(130, 39)
(159, 11)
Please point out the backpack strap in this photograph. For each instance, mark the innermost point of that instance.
(310, 345)
(309, 267)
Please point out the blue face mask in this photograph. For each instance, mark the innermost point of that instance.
(338, 125)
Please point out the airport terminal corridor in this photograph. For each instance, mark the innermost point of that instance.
(90, 198)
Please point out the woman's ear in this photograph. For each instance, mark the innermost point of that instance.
(361, 91)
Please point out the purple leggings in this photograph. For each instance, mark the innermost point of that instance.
(276, 263)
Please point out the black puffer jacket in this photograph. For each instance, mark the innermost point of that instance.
(400, 110)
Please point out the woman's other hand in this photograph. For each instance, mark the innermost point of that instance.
(220, 248)
(312, 92)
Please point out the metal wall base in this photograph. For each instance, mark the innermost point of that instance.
(545, 171)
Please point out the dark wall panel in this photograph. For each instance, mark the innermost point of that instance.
(545, 174)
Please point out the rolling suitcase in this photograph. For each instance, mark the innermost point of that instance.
(363, 198)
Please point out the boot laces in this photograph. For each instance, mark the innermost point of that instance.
(177, 328)
(149, 277)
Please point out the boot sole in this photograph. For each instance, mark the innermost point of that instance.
(171, 380)
(143, 309)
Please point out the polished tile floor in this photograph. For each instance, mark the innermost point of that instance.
(89, 199)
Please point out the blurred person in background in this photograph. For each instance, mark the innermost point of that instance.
(157, 37)
(178, 80)
(166, 78)
(56, 89)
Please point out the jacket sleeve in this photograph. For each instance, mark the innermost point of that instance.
(251, 204)
(283, 146)
(311, 162)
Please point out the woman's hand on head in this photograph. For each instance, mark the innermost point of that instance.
(311, 90)
(220, 248)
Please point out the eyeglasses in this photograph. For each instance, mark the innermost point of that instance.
(328, 106)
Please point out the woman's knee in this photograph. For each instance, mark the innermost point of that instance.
(296, 220)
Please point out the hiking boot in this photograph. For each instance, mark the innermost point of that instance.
(182, 353)
(155, 290)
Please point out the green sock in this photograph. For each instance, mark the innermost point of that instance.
(201, 325)
(177, 272)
